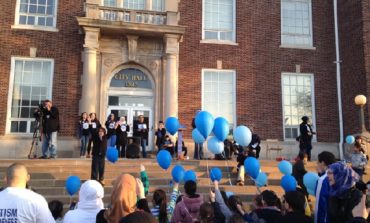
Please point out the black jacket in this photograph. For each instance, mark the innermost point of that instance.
(111, 128)
(99, 147)
(143, 133)
(296, 217)
(160, 133)
(84, 128)
(97, 125)
(51, 120)
(304, 129)
(357, 220)
(122, 134)
(340, 208)
(270, 215)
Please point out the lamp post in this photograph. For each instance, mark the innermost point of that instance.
(360, 100)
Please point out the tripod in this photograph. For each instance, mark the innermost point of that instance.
(35, 140)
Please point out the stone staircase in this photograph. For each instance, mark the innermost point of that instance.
(48, 176)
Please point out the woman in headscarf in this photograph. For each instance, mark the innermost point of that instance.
(343, 194)
(89, 204)
(124, 198)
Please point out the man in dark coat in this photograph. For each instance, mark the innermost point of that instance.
(305, 139)
(50, 128)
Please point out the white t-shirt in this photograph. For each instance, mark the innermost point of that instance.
(18, 205)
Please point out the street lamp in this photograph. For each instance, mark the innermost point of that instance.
(360, 100)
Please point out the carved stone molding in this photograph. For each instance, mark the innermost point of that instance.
(132, 47)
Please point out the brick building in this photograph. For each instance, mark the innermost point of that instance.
(258, 63)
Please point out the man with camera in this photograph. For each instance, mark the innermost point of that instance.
(50, 127)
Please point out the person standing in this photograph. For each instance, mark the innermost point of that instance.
(255, 145)
(141, 132)
(50, 128)
(358, 160)
(94, 125)
(84, 133)
(198, 147)
(122, 130)
(111, 126)
(18, 204)
(98, 153)
(305, 139)
(160, 133)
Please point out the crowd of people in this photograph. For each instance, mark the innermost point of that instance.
(340, 197)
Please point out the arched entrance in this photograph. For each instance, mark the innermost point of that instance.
(131, 94)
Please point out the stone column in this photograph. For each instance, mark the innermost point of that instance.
(171, 76)
(89, 77)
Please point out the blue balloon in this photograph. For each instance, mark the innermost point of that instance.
(221, 128)
(285, 167)
(112, 154)
(215, 146)
(164, 159)
(242, 135)
(190, 175)
(310, 180)
(288, 183)
(252, 167)
(178, 173)
(197, 136)
(172, 125)
(261, 180)
(215, 174)
(73, 184)
(350, 139)
(204, 122)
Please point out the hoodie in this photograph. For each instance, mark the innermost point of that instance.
(187, 210)
(90, 203)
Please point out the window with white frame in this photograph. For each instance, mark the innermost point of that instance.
(219, 20)
(134, 4)
(157, 5)
(298, 97)
(31, 84)
(296, 22)
(110, 3)
(36, 13)
(218, 94)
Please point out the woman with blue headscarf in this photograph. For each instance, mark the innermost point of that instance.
(343, 194)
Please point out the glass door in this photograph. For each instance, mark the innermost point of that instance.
(132, 115)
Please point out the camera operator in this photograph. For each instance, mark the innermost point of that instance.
(50, 127)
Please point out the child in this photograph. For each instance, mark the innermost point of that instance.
(84, 133)
(358, 160)
(168, 145)
(162, 210)
(56, 209)
(98, 152)
(160, 133)
(299, 171)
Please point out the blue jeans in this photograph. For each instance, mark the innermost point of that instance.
(143, 146)
(112, 141)
(84, 144)
(198, 151)
(49, 144)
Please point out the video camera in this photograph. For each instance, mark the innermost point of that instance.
(39, 112)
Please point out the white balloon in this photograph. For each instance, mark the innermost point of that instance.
(243, 135)
(215, 146)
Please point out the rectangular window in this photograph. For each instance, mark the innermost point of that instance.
(218, 94)
(40, 13)
(296, 23)
(219, 20)
(31, 84)
(157, 5)
(298, 101)
(110, 3)
(134, 4)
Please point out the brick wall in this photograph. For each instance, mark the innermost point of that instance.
(259, 62)
(351, 35)
(64, 47)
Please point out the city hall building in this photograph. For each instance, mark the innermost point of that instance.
(261, 63)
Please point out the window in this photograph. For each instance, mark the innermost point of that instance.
(218, 94)
(296, 23)
(110, 3)
(134, 4)
(298, 97)
(39, 13)
(31, 81)
(157, 5)
(219, 20)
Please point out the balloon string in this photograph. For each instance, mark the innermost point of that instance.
(258, 189)
(228, 170)
(210, 181)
